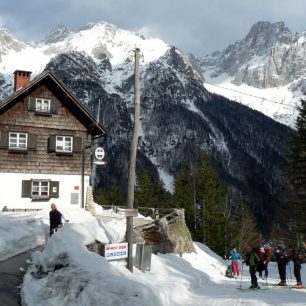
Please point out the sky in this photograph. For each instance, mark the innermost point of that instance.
(195, 26)
(87, 278)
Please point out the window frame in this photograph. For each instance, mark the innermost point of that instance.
(18, 141)
(40, 189)
(64, 149)
(41, 109)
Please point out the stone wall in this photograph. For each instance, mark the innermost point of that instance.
(89, 204)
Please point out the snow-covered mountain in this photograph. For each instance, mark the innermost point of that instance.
(179, 117)
(268, 65)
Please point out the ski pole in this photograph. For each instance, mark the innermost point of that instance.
(241, 274)
(290, 275)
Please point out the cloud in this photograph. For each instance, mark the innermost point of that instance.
(197, 26)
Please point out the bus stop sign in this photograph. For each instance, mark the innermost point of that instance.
(99, 153)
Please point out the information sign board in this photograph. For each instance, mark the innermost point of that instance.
(116, 250)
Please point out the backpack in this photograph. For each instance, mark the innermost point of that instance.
(229, 271)
(254, 258)
(247, 259)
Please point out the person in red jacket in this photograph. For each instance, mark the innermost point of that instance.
(261, 263)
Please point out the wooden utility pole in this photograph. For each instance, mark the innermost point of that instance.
(133, 153)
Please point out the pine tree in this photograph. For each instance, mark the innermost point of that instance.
(211, 199)
(297, 175)
(199, 190)
(183, 196)
(145, 190)
(110, 196)
(162, 197)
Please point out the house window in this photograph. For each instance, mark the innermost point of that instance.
(42, 105)
(64, 144)
(18, 140)
(40, 189)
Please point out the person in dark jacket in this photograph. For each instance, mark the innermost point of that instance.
(252, 259)
(55, 218)
(281, 258)
(297, 259)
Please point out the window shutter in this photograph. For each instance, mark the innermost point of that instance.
(54, 189)
(77, 144)
(32, 142)
(54, 106)
(26, 189)
(51, 143)
(4, 140)
(31, 103)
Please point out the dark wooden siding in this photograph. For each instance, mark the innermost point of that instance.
(20, 119)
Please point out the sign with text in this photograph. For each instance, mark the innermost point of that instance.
(116, 250)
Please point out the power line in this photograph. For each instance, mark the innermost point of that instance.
(243, 93)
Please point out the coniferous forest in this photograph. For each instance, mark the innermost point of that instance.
(214, 214)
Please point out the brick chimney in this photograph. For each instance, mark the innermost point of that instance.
(21, 78)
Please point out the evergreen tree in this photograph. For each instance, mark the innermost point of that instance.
(211, 205)
(297, 175)
(145, 190)
(198, 189)
(184, 196)
(110, 196)
(162, 197)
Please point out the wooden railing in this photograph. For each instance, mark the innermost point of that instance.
(177, 215)
(153, 212)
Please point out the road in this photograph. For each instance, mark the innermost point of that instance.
(11, 278)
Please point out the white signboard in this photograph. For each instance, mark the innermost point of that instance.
(116, 251)
(99, 153)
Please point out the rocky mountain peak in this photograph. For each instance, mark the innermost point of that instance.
(185, 64)
(57, 34)
(264, 35)
(101, 26)
(9, 42)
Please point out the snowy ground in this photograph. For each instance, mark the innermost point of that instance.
(88, 279)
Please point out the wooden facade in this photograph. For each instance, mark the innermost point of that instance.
(44, 142)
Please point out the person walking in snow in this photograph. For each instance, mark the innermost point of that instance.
(55, 218)
(281, 258)
(261, 264)
(297, 259)
(267, 259)
(236, 259)
(251, 259)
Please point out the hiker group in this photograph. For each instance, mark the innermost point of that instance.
(258, 259)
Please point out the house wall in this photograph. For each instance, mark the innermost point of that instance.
(40, 163)
(20, 119)
(69, 188)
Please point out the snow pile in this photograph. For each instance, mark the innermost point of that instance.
(75, 276)
(20, 232)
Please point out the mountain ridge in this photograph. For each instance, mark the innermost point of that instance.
(179, 116)
(270, 63)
